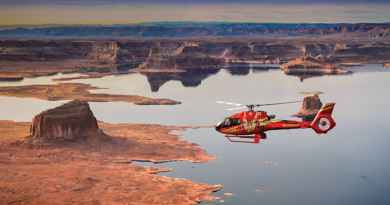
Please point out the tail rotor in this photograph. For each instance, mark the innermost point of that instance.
(323, 121)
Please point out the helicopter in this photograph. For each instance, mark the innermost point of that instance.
(253, 124)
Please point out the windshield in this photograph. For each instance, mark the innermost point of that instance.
(230, 122)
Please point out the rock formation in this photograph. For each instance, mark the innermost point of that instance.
(104, 52)
(310, 106)
(27, 58)
(71, 121)
(308, 65)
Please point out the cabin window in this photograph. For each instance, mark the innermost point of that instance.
(234, 122)
(230, 122)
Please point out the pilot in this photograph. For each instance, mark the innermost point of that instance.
(227, 122)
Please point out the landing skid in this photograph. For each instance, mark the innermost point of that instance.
(244, 138)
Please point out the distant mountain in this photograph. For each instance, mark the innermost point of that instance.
(195, 29)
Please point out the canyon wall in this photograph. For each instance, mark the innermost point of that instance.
(178, 54)
(198, 29)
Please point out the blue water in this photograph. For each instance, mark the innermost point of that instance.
(349, 165)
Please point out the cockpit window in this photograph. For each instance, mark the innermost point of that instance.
(230, 122)
(226, 122)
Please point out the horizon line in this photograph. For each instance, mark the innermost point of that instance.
(182, 22)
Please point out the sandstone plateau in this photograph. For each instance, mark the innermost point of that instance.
(80, 91)
(177, 47)
(70, 158)
(37, 57)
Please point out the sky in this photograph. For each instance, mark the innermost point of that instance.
(38, 12)
(88, 2)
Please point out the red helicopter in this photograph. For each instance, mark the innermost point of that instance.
(253, 124)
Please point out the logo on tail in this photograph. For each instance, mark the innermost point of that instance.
(323, 121)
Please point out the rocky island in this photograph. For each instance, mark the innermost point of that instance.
(308, 65)
(67, 156)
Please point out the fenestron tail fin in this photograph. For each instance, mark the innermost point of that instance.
(323, 121)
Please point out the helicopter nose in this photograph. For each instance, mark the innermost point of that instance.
(218, 126)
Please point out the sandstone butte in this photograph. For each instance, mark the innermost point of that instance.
(310, 106)
(65, 156)
(70, 91)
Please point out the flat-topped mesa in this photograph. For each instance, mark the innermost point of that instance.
(308, 65)
(310, 106)
(71, 121)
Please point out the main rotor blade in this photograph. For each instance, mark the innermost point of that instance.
(278, 103)
(311, 92)
(229, 103)
(237, 108)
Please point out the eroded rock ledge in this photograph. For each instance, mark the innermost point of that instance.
(70, 91)
(91, 164)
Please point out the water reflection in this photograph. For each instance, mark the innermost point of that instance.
(238, 70)
(194, 77)
(351, 70)
(191, 78)
(245, 68)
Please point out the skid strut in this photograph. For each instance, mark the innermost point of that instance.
(243, 138)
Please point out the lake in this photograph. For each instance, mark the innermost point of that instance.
(349, 165)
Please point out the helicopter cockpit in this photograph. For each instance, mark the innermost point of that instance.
(228, 122)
